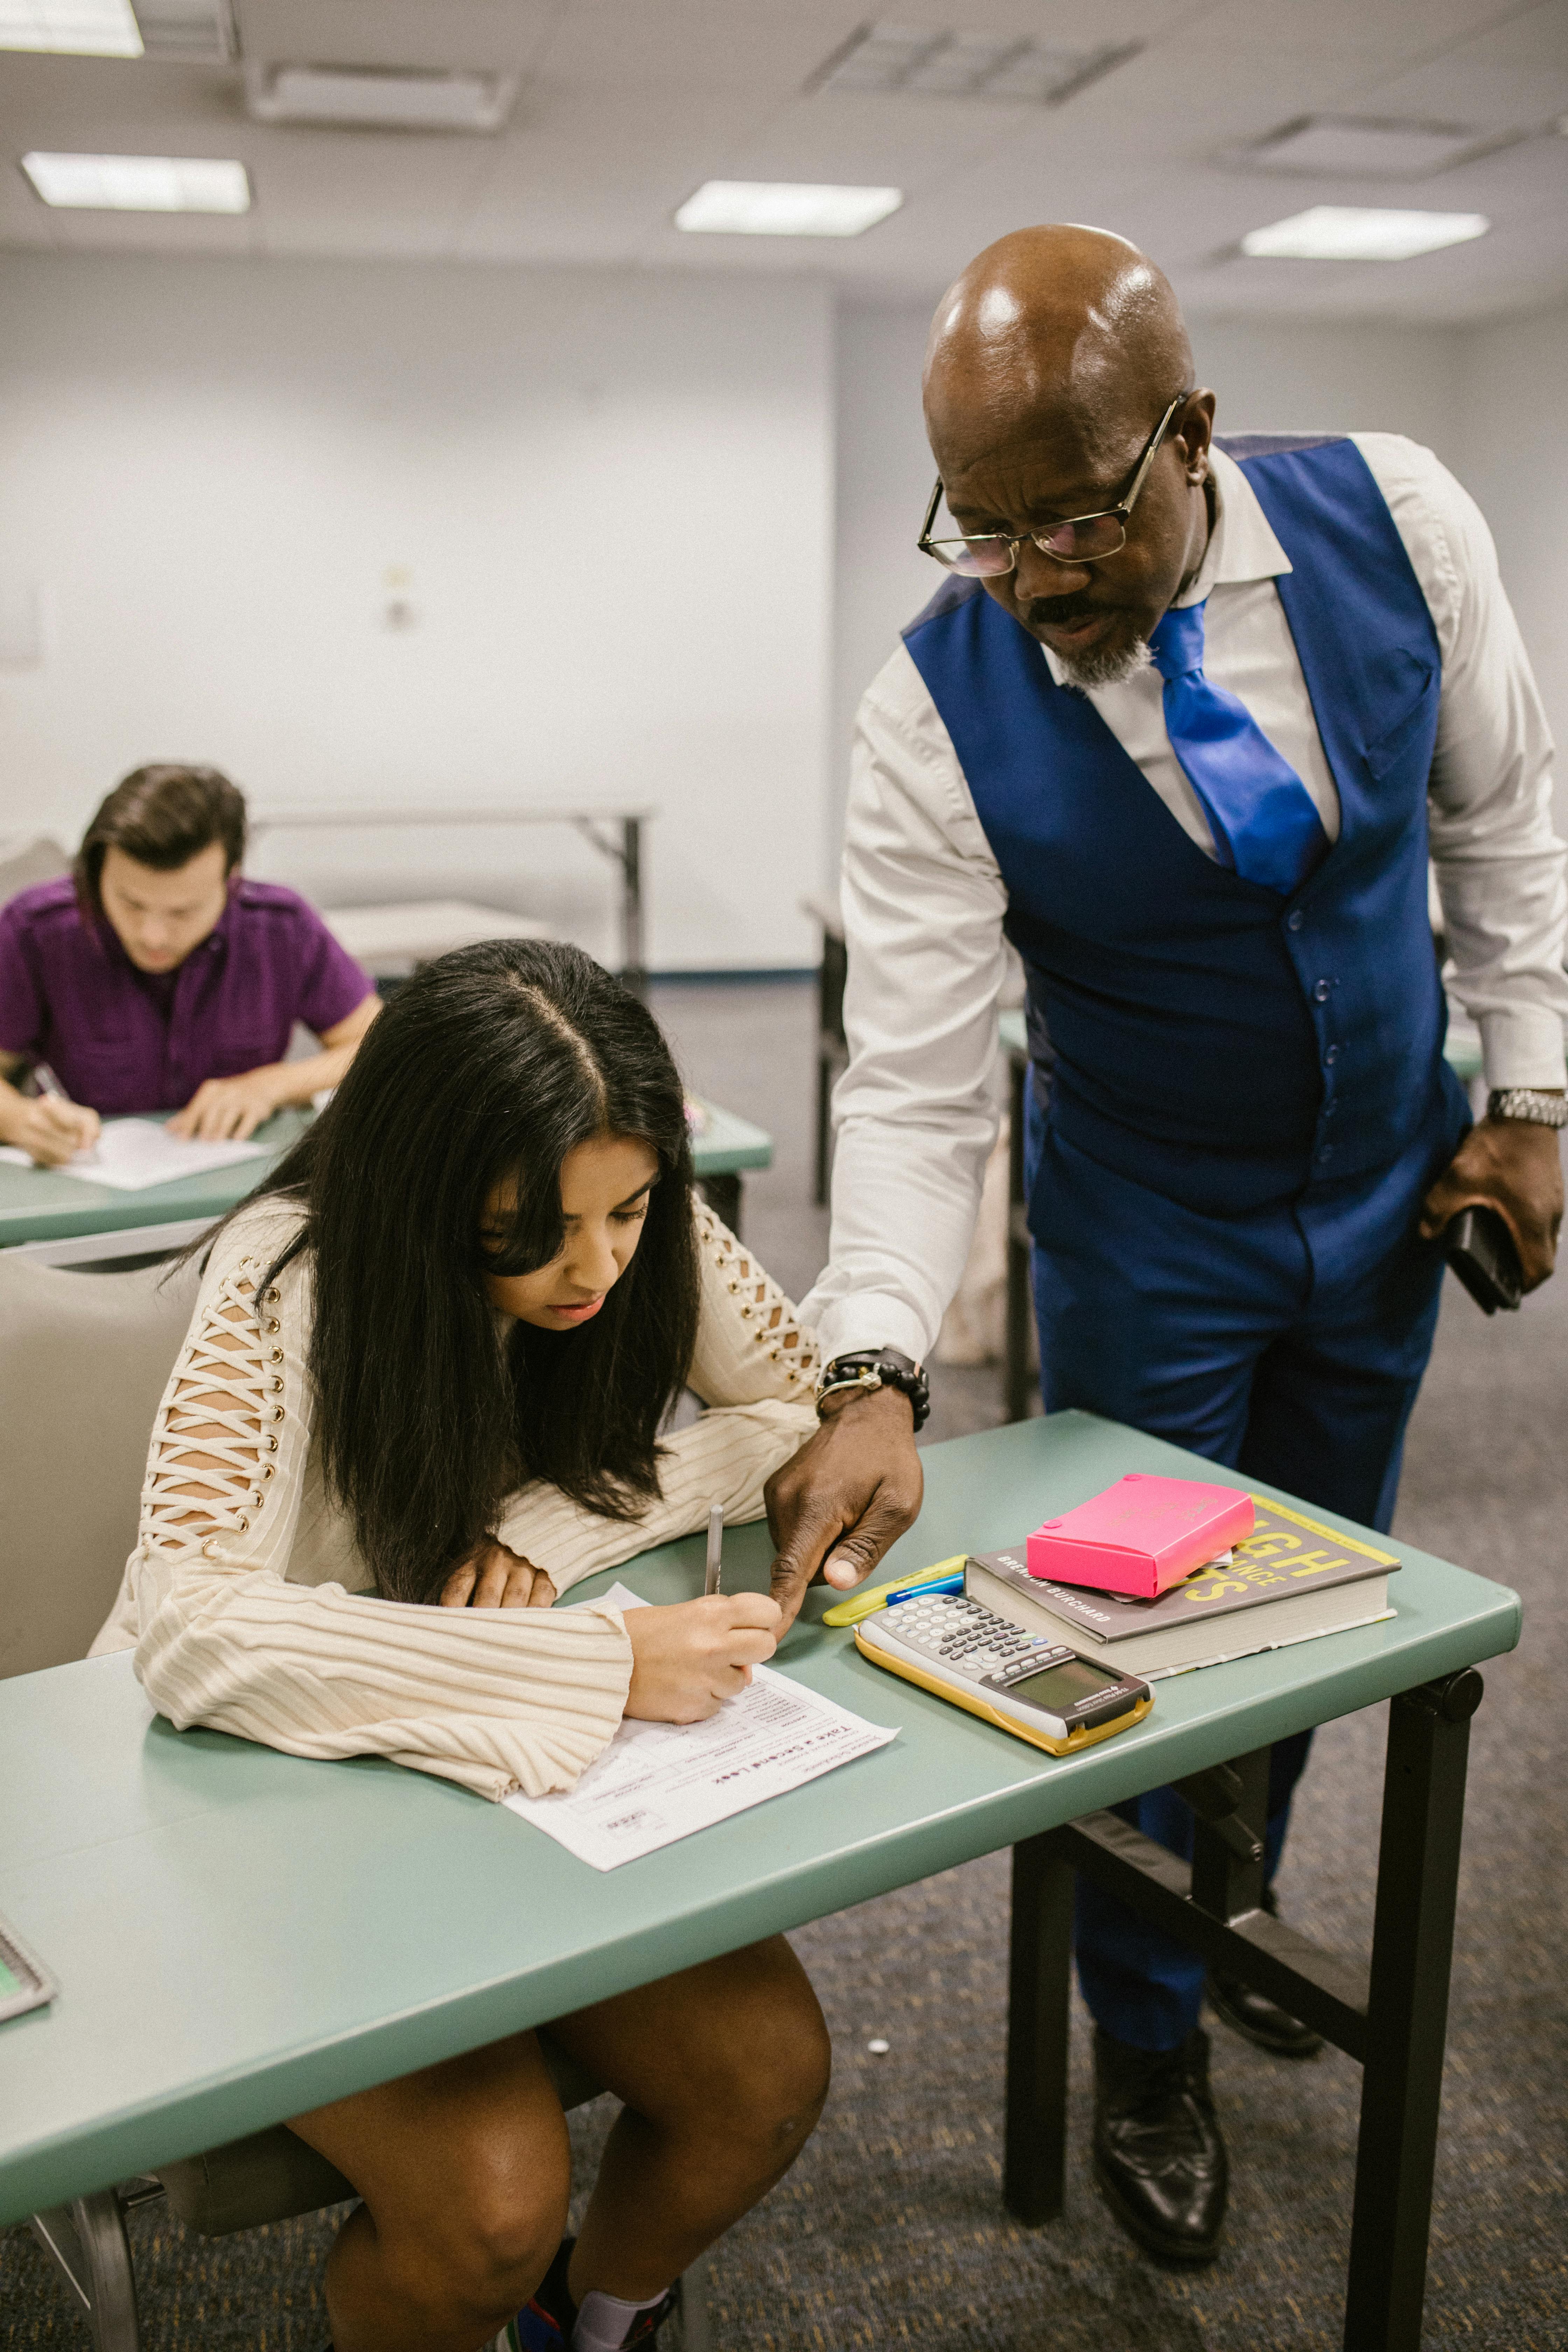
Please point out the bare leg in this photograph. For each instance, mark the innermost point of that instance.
(465, 2169)
(723, 2069)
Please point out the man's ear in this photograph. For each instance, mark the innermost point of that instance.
(1194, 432)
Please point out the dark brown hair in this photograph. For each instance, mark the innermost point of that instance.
(484, 1071)
(162, 815)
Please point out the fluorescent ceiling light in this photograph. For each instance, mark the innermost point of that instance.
(82, 28)
(1365, 147)
(389, 99)
(886, 57)
(1354, 232)
(187, 32)
(140, 184)
(785, 208)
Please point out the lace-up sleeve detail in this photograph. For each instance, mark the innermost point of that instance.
(749, 1342)
(755, 1367)
(495, 1699)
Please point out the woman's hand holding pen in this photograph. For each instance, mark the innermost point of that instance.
(688, 1658)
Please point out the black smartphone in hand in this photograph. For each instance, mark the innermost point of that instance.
(1482, 1252)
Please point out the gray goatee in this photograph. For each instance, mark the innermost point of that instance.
(1107, 668)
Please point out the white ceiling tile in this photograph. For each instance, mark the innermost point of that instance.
(628, 105)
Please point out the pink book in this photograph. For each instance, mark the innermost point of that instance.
(1141, 1536)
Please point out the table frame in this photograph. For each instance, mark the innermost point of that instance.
(625, 851)
(1391, 2018)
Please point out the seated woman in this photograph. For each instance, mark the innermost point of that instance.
(155, 977)
(421, 1396)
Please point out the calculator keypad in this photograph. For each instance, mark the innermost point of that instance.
(953, 1631)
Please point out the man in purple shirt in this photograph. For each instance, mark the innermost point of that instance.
(157, 978)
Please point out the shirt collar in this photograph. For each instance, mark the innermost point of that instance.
(1242, 545)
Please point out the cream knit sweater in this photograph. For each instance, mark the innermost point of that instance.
(250, 1609)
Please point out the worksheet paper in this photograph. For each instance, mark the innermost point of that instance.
(657, 1782)
(132, 1153)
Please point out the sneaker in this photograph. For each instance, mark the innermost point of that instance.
(546, 2320)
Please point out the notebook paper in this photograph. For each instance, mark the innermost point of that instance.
(657, 1783)
(132, 1153)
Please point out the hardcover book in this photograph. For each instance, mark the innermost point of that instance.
(1290, 1580)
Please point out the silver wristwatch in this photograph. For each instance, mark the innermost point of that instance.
(1527, 1103)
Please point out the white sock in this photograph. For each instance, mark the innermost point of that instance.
(605, 2322)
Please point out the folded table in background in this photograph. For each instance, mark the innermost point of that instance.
(147, 1860)
(72, 1221)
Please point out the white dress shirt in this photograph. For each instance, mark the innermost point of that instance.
(924, 897)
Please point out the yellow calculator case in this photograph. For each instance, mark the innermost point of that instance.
(976, 1659)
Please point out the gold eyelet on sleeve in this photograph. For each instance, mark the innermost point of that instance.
(244, 1523)
(275, 1355)
(275, 1388)
(273, 1296)
(277, 1410)
(272, 1442)
(274, 1325)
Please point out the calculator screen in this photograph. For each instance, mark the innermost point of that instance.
(1060, 1687)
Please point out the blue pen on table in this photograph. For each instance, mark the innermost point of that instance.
(947, 1576)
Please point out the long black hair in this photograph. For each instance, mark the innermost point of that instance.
(485, 1070)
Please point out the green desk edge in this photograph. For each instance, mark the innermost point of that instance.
(238, 1935)
(38, 1204)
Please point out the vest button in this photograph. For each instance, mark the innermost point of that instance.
(1322, 990)
(1294, 920)
(1332, 1057)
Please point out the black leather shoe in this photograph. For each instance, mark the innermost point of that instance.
(1158, 2154)
(1260, 2019)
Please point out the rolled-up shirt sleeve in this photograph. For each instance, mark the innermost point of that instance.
(914, 1113)
(21, 1002)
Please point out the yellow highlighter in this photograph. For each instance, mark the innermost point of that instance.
(864, 1604)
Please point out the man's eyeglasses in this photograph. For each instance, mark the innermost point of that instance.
(1084, 538)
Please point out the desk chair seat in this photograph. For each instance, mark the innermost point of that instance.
(271, 2176)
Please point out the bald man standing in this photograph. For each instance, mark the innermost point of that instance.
(1182, 723)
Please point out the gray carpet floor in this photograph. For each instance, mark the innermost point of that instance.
(889, 2231)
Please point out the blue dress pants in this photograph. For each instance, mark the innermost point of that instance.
(1225, 1336)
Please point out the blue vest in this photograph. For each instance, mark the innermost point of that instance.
(1195, 1031)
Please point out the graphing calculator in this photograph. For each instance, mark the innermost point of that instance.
(22, 1983)
(1024, 1683)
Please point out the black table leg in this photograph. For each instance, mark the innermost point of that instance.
(1408, 2012)
(1039, 1982)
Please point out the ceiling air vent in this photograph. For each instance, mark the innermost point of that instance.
(374, 99)
(927, 62)
(1361, 147)
(187, 32)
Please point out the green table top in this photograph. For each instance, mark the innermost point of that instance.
(38, 1204)
(730, 1144)
(1462, 1050)
(238, 1934)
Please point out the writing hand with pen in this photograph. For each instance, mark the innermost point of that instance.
(48, 1126)
(688, 1657)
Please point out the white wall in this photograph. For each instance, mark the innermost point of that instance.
(613, 491)
(1271, 378)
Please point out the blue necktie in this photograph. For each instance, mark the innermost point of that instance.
(1265, 826)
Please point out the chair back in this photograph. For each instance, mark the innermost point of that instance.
(84, 1360)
